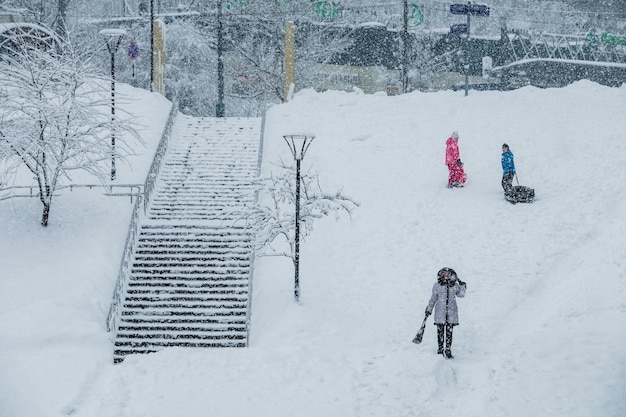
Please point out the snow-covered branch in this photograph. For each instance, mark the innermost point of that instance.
(273, 217)
(54, 116)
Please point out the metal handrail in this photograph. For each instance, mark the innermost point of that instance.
(252, 246)
(120, 285)
(158, 156)
(131, 238)
(134, 190)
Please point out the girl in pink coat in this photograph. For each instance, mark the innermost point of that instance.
(456, 176)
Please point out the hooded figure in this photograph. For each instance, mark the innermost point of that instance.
(508, 168)
(456, 174)
(443, 301)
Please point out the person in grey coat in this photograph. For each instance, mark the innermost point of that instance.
(443, 301)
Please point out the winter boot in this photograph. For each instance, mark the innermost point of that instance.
(440, 338)
(448, 352)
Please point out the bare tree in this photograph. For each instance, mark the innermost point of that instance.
(259, 50)
(191, 63)
(54, 117)
(43, 12)
(274, 217)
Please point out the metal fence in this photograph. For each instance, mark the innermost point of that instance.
(113, 190)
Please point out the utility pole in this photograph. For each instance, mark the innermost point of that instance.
(405, 47)
(467, 48)
(151, 45)
(219, 108)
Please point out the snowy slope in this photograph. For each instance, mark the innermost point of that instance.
(541, 326)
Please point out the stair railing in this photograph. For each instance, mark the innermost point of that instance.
(124, 271)
(252, 247)
(158, 156)
(131, 238)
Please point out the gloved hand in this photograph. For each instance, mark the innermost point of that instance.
(458, 162)
(427, 312)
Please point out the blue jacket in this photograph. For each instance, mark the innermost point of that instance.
(508, 165)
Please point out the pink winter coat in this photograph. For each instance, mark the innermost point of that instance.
(452, 151)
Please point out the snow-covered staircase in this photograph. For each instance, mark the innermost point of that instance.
(189, 281)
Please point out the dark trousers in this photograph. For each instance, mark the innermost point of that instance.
(507, 182)
(444, 334)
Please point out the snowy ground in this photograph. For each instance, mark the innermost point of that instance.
(541, 331)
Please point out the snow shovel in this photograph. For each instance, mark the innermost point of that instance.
(420, 333)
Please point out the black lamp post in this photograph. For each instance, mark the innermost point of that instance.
(298, 144)
(113, 38)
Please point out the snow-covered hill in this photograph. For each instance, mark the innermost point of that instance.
(541, 329)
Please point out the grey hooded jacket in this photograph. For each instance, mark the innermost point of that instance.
(443, 301)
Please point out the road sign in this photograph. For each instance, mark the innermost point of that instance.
(133, 50)
(468, 9)
(473, 9)
(458, 28)
(479, 10)
(459, 8)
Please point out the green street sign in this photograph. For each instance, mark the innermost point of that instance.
(605, 38)
(232, 4)
(416, 17)
(326, 10)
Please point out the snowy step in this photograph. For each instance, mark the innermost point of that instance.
(172, 292)
(189, 297)
(223, 258)
(169, 245)
(177, 328)
(170, 333)
(158, 277)
(161, 320)
(152, 345)
(186, 232)
(198, 199)
(209, 205)
(230, 286)
(184, 306)
(189, 248)
(192, 217)
(195, 256)
(222, 315)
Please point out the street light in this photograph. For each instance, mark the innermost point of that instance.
(298, 144)
(113, 38)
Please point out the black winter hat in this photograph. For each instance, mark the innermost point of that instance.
(504, 145)
(443, 271)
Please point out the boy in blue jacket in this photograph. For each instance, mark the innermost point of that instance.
(508, 168)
